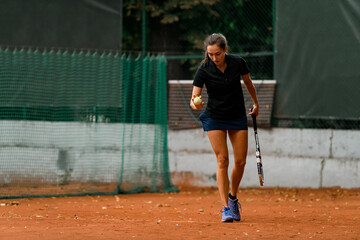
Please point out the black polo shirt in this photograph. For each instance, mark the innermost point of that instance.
(225, 96)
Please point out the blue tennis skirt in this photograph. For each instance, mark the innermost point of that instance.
(210, 124)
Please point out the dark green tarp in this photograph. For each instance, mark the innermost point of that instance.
(63, 24)
(317, 59)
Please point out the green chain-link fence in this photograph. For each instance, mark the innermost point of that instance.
(178, 29)
(75, 123)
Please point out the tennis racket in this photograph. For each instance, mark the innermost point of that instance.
(258, 153)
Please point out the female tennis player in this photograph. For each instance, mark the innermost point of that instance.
(225, 115)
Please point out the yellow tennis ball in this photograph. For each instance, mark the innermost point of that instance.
(197, 101)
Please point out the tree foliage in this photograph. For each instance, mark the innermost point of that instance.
(247, 24)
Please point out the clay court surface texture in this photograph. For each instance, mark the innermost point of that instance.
(193, 213)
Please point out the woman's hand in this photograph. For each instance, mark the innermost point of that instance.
(254, 110)
(193, 105)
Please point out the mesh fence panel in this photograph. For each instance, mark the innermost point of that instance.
(178, 28)
(247, 26)
(74, 123)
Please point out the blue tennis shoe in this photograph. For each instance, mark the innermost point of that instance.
(226, 215)
(234, 206)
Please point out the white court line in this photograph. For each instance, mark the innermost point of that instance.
(191, 81)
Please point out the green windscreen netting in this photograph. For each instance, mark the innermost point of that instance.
(76, 123)
(317, 60)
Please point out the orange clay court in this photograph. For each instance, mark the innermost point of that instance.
(193, 213)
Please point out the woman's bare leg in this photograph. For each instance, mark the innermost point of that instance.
(239, 141)
(218, 142)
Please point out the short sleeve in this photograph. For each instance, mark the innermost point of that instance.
(243, 67)
(199, 79)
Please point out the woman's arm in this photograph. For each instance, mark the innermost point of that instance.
(196, 93)
(251, 89)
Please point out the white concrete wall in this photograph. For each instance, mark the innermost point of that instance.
(291, 158)
(54, 151)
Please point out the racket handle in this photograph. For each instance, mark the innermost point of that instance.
(254, 119)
